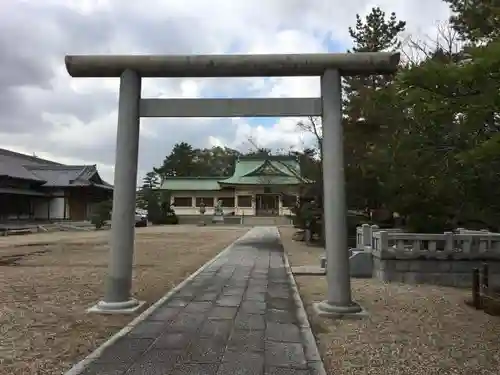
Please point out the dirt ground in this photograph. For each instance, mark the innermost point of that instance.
(48, 280)
(420, 329)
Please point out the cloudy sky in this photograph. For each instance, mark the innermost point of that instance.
(73, 120)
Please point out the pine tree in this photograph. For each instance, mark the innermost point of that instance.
(364, 120)
(476, 20)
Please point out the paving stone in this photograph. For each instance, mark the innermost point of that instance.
(96, 368)
(125, 350)
(253, 307)
(229, 301)
(185, 322)
(246, 341)
(236, 317)
(157, 362)
(233, 291)
(197, 307)
(164, 313)
(256, 289)
(283, 332)
(148, 329)
(280, 316)
(206, 350)
(242, 364)
(217, 328)
(285, 354)
(208, 296)
(179, 301)
(280, 304)
(179, 341)
(150, 368)
(196, 369)
(277, 292)
(285, 371)
(249, 322)
(278, 280)
(221, 313)
(187, 291)
(255, 296)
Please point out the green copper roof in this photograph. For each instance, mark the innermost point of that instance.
(271, 171)
(249, 170)
(191, 183)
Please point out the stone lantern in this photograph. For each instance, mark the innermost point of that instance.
(202, 213)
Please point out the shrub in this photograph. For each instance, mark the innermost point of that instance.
(161, 214)
(101, 214)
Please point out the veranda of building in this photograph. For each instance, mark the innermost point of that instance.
(259, 186)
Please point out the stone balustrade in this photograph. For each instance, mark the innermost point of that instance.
(449, 245)
(364, 235)
(443, 259)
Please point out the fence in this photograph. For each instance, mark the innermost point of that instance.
(449, 243)
(443, 259)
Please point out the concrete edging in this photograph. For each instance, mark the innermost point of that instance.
(82, 365)
(311, 351)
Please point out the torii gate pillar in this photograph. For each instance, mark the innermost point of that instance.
(329, 66)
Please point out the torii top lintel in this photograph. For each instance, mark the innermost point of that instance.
(275, 65)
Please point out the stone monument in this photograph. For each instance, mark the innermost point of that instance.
(218, 213)
(202, 213)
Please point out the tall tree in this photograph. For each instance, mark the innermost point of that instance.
(180, 162)
(146, 192)
(365, 120)
(476, 20)
(151, 180)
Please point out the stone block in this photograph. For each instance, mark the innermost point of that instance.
(462, 280)
(402, 265)
(242, 364)
(285, 354)
(284, 332)
(124, 350)
(222, 313)
(413, 278)
(172, 341)
(219, 329)
(196, 369)
(443, 279)
(249, 322)
(361, 264)
(253, 307)
(280, 316)
(246, 341)
(464, 266)
(418, 266)
(206, 350)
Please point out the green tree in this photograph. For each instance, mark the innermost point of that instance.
(365, 117)
(476, 20)
(150, 182)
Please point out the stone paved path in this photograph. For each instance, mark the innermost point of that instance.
(238, 316)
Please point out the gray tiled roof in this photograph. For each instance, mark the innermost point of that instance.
(48, 173)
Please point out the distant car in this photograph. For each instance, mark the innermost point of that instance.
(141, 219)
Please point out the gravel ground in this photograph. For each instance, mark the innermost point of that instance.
(411, 329)
(54, 277)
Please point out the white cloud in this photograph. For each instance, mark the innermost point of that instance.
(42, 108)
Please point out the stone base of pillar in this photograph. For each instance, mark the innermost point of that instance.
(327, 310)
(128, 307)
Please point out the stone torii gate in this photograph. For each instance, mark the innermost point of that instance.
(330, 67)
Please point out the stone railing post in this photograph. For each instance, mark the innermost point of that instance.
(366, 236)
(373, 228)
(384, 240)
(449, 241)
